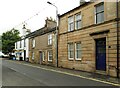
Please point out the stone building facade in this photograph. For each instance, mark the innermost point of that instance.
(42, 44)
(89, 38)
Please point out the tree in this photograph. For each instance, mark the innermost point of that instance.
(8, 40)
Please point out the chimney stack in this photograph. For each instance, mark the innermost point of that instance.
(82, 2)
(50, 23)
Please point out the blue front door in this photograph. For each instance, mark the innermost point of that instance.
(101, 54)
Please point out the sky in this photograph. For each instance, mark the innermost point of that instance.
(33, 12)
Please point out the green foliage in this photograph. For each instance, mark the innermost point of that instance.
(8, 40)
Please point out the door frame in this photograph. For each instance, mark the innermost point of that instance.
(40, 57)
(24, 55)
(96, 53)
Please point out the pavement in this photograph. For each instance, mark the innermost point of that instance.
(21, 74)
(82, 74)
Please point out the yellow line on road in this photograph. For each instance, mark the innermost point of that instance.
(114, 84)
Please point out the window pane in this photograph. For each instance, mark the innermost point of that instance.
(70, 51)
(78, 50)
(78, 54)
(78, 17)
(50, 53)
(70, 19)
(78, 46)
(49, 39)
(72, 26)
(33, 56)
(100, 17)
(78, 21)
(100, 13)
(43, 56)
(78, 24)
(70, 23)
(99, 8)
(71, 54)
(33, 42)
(50, 56)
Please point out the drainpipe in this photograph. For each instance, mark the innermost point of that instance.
(117, 14)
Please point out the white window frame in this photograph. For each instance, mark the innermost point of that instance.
(50, 39)
(33, 55)
(78, 20)
(20, 44)
(77, 50)
(33, 43)
(69, 50)
(99, 12)
(50, 55)
(24, 42)
(70, 22)
(43, 56)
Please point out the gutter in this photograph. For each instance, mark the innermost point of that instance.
(117, 14)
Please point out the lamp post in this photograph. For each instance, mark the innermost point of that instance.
(56, 44)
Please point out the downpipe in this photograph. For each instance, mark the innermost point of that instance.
(117, 14)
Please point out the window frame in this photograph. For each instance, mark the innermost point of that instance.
(78, 20)
(24, 42)
(50, 37)
(43, 55)
(70, 50)
(49, 55)
(76, 58)
(99, 12)
(70, 23)
(33, 55)
(20, 44)
(33, 43)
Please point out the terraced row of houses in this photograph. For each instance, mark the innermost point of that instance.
(88, 40)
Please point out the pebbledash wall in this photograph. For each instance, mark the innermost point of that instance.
(88, 38)
(22, 49)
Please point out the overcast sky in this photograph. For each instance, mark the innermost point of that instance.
(14, 12)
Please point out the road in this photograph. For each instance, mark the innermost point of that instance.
(14, 74)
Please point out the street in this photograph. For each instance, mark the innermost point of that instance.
(14, 74)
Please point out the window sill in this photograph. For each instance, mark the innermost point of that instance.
(100, 23)
(33, 47)
(78, 59)
(49, 60)
(50, 45)
(70, 59)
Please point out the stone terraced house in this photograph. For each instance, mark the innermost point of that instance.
(89, 38)
(42, 44)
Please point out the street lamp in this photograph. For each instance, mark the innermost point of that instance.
(56, 44)
(56, 11)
